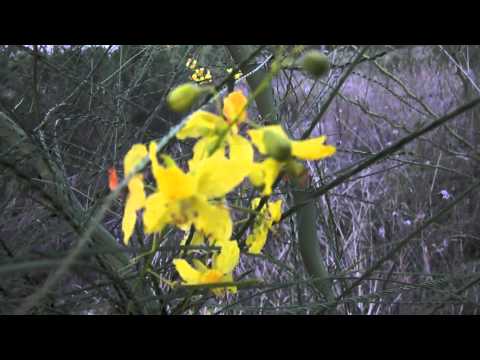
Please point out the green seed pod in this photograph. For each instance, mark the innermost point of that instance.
(277, 147)
(183, 96)
(316, 63)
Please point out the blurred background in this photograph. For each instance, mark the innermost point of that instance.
(82, 107)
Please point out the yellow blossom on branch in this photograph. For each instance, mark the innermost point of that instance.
(268, 216)
(183, 198)
(217, 131)
(202, 76)
(203, 124)
(310, 149)
(273, 142)
(220, 271)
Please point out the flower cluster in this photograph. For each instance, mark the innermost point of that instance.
(200, 75)
(195, 200)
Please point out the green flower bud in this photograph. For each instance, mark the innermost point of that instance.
(315, 63)
(183, 96)
(277, 147)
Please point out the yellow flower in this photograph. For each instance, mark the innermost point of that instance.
(311, 149)
(182, 198)
(267, 217)
(274, 142)
(257, 239)
(133, 157)
(221, 270)
(275, 210)
(217, 175)
(205, 124)
(201, 76)
(201, 124)
(212, 131)
(136, 192)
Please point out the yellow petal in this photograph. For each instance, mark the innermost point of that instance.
(272, 169)
(255, 202)
(128, 222)
(199, 124)
(174, 183)
(257, 139)
(157, 169)
(188, 274)
(234, 107)
(136, 154)
(198, 239)
(265, 173)
(240, 149)
(210, 277)
(257, 175)
(256, 240)
(201, 151)
(217, 175)
(135, 202)
(228, 257)
(136, 192)
(212, 220)
(275, 209)
(156, 215)
(312, 149)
